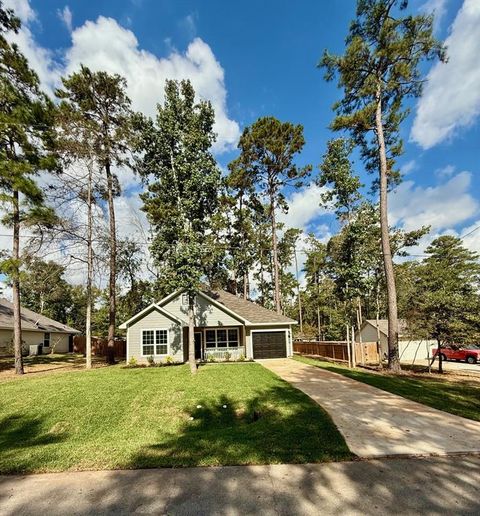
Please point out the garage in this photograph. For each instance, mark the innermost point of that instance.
(269, 344)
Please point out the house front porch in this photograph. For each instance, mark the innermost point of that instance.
(217, 342)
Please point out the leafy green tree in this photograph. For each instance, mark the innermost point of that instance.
(268, 149)
(378, 71)
(343, 185)
(446, 302)
(26, 143)
(101, 100)
(44, 288)
(242, 238)
(183, 183)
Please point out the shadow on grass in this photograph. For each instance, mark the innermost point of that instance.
(18, 433)
(278, 425)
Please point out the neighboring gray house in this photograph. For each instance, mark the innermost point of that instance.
(36, 329)
(409, 347)
(223, 323)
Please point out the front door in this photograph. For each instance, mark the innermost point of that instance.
(198, 345)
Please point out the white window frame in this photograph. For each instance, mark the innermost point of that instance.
(155, 354)
(45, 339)
(226, 328)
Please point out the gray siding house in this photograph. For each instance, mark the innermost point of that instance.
(224, 324)
(36, 329)
(409, 347)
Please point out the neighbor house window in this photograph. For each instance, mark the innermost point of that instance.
(221, 338)
(154, 342)
(46, 340)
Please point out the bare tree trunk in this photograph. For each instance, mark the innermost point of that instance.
(393, 358)
(440, 356)
(110, 358)
(276, 276)
(17, 317)
(88, 328)
(245, 285)
(191, 335)
(298, 294)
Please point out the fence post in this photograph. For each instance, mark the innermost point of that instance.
(348, 348)
(354, 351)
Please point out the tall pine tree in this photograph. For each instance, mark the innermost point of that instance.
(26, 144)
(378, 71)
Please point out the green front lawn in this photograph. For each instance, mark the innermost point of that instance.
(459, 397)
(115, 417)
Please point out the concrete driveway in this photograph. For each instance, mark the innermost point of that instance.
(446, 485)
(376, 423)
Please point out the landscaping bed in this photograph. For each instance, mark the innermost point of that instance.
(451, 392)
(116, 417)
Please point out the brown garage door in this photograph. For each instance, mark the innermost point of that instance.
(269, 344)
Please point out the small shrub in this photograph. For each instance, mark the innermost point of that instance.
(241, 358)
(227, 356)
(151, 360)
(132, 362)
(169, 360)
(211, 357)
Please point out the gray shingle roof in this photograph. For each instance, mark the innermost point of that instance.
(30, 320)
(248, 310)
(383, 325)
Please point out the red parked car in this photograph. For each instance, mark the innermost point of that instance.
(470, 355)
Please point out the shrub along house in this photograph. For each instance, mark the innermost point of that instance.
(37, 330)
(224, 324)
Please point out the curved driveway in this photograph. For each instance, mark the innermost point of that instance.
(376, 423)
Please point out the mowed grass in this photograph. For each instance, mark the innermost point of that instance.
(115, 417)
(459, 397)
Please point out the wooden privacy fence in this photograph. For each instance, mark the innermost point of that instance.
(365, 352)
(99, 346)
(337, 350)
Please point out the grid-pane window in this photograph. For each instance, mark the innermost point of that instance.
(222, 338)
(161, 342)
(210, 338)
(148, 342)
(46, 340)
(233, 338)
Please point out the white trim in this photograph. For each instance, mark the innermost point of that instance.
(153, 306)
(222, 307)
(155, 354)
(285, 330)
(171, 296)
(272, 323)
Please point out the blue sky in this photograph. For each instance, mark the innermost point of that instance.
(256, 58)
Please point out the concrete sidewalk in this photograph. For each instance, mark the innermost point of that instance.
(376, 423)
(445, 485)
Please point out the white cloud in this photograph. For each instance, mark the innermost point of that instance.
(105, 45)
(446, 171)
(451, 98)
(304, 207)
(22, 9)
(440, 207)
(66, 16)
(436, 7)
(40, 59)
(408, 167)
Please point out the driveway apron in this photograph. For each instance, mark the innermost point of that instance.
(376, 423)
